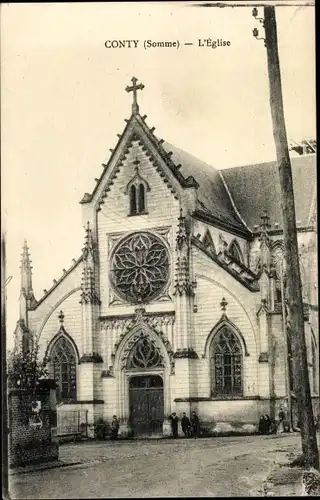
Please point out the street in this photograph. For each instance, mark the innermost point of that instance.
(229, 466)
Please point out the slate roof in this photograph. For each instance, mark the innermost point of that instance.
(251, 190)
(212, 193)
(213, 198)
(256, 188)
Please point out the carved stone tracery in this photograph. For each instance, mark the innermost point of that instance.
(145, 321)
(141, 352)
(140, 268)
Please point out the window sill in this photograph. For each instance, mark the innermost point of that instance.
(137, 215)
(77, 402)
(216, 398)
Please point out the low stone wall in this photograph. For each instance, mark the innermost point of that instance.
(32, 431)
(231, 428)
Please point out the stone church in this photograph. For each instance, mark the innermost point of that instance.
(176, 302)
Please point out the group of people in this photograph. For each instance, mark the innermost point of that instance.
(190, 427)
(267, 426)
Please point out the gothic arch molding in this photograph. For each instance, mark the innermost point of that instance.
(63, 333)
(277, 244)
(224, 321)
(227, 291)
(63, 361)
(123, 375)
(123, 348)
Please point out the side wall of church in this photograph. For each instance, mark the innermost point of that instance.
(44, 319)
(213, 283)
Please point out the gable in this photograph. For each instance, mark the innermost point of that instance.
(199, 184)
(137, 134)
(161, 199)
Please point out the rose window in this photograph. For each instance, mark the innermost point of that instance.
(140, 268)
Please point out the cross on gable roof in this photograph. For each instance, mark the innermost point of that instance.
(232, 199)
(178, 167)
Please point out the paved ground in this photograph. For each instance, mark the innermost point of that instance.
(232, 466)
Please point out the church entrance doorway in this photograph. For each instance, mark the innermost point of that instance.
(146, 405)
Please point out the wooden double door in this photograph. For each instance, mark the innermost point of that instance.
(146, 405)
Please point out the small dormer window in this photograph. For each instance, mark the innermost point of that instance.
(235, 251)
(137, 191)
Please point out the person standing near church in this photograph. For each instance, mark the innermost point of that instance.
(185, 425)
(114, 427)
(282, 417)
(174, 425)
(195, 425)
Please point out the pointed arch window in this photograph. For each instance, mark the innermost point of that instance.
(144, 355)
(63, 363)
(133, 200)
(226, 363)
(138, 199)
(235, 251)
(137, 189)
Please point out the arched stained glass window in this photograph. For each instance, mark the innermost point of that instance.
(144, 354)
(63, 361)
(226, 363)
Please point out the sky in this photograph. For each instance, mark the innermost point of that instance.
(64, 102)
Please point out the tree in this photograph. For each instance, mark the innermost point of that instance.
(24, 369)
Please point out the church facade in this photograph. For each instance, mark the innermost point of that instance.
(177, 300)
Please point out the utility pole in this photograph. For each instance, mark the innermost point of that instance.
(293, 285)
(285, 336)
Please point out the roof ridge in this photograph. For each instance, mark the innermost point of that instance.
(232, 202)
(295, 159)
